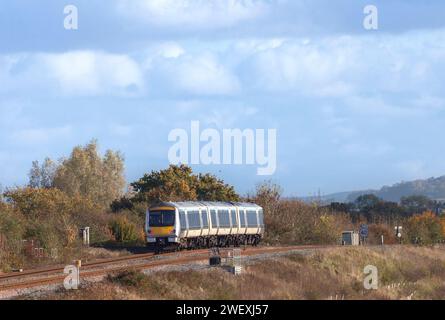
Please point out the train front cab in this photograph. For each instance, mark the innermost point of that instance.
(162, 227)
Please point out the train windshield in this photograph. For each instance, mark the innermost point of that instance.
(161, 218)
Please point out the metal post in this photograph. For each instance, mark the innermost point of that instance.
(382, 240)
(237, 267)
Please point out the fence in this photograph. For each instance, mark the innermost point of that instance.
(30, 248)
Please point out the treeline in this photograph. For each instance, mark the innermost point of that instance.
(376, 210)
(89, 189)
(421, 218)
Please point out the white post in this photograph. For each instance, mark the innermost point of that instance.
(86, 236)
(87, 230)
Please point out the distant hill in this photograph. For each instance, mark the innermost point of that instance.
(433, 188)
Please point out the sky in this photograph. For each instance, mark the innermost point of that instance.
(353, 108)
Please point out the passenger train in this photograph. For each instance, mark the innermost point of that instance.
(190, 225)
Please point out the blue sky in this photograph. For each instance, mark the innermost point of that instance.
(353, 108)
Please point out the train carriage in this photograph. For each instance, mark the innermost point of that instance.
(204, 224)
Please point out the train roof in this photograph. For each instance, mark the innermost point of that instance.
(194, 204)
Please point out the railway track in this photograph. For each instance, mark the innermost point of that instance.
(55, 275)
(42, 271)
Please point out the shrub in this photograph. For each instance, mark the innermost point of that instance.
(291, 222)
(53, 214)
(327, 229)
(124, 230)
(12, 228)
(130, 278)
(377, 230)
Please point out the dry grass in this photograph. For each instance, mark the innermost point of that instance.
(404, 273)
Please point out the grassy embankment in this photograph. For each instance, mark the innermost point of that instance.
(404, 273)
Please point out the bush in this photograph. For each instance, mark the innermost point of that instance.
(53, 217)
(292, 222)
(12, 228)
(377, 230)
(124, 230)
(131, 278)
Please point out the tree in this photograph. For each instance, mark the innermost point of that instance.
(376, 210)
(366, 202)
(178, 183)
(210, 188)
(87, 174)
(267, 195)
(42, 176)
(417, 204)
(340, 207)
(425, 228)
(175, 183)
(44, 203)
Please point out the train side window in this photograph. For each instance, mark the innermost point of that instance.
(205, 220)
(221, 218)
(194, 220)
(242, 217)
(252, 219)
(224, 218)
(227, 218)
(261, 218)
(213, 217)
(182, 220)
(234, 222)
(226, 215)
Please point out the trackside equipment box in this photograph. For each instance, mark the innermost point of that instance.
(350, 238)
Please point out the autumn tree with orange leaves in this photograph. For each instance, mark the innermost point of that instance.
(426, 228)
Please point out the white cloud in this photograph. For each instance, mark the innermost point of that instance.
(341, 66)
(366, 71)
(170, 50)
(161, 51)
(202, 74)
(87, 72)
(70, 73)
(192, 13)
(309, 68)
